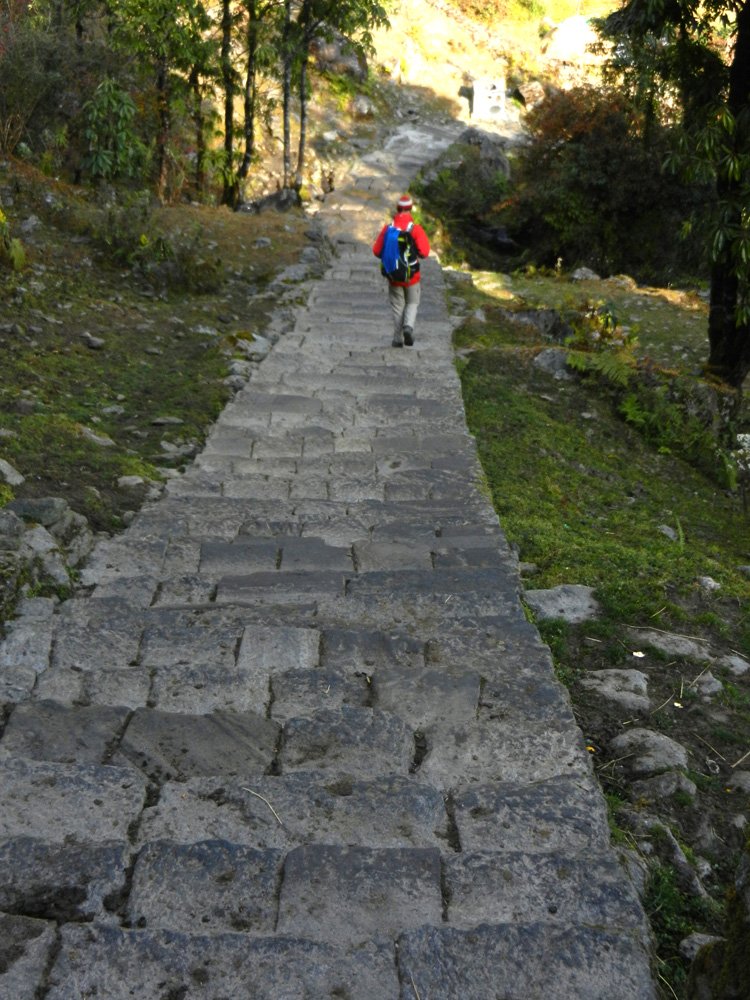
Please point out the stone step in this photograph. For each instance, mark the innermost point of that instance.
(69, 802)
(153, 965)
(534, 961)
(363, 742)
(26, 950)
(301, 808)
(206, 887)
(67, 881)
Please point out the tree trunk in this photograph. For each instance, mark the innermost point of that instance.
(287, 47)
(302, 123)
(729, 355)
(251, 90)
(165, 122)
(229, 193)
(200, 133)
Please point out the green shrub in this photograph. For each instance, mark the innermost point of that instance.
(114, 149)
(589, 189)
(11, 250)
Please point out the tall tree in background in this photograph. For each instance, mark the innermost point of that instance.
(352, 19)
(230, 192)
(167, 34)
(695, 56)
(287, 56)
(260, 54)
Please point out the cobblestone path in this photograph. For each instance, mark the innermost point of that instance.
(300, 742)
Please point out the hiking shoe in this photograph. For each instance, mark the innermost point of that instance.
(397, 342)
(408, 336)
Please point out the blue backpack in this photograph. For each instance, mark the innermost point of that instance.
(399, 260)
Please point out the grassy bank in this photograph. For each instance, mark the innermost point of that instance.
(586, 498)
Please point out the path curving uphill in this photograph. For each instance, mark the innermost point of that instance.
(300, 742)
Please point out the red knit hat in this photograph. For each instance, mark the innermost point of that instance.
(405, 204)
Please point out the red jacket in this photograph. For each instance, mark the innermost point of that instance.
(401, 220)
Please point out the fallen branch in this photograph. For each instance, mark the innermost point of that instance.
(259, 796)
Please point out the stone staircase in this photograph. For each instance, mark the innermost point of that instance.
(300, 741)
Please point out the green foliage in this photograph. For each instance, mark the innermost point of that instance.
(688, 66)
(670, 417)
(673, 915)
(588, 188)
(12, 253)
(114, 149)
(464, 188)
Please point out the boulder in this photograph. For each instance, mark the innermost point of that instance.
(720, 967)
(73, 534)
(649, 752)
(584, 274)
(672, 645)
(362, 107)
(530, 94)
(491, 148)
(44, 511)
(11, 531)
(628, 688)
(546, 321)
(10, 475)
(662, 786)
(339, 56)
(570, 601)
(280, 201)
(554, 361)
(39, 544)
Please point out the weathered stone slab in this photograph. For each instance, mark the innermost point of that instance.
(182, 558)
(119, 965)
(59, 801)
(522, 887)
(533, 961)
(363, 650)
(84, 648)
(47, 730)
(561, 814)
(279, 588)
(197, 642)
(349, 895)
(363, 742)
(135, 591)
(314, 554)
(371, 556)
(168, 746)
(25, 949)
(113, 559)
(127, 686)
(385, 812)
(26, 648)
(305, 692)
(205, 887)
(16, 684)
(244, 555)
(463, 754)
(184, 590)
(427, 696)
(61, 881)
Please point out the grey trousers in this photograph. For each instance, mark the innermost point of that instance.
(404, 304)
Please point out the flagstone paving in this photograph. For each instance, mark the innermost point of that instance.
(297, 739)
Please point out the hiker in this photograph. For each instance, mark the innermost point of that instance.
(400, 246)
